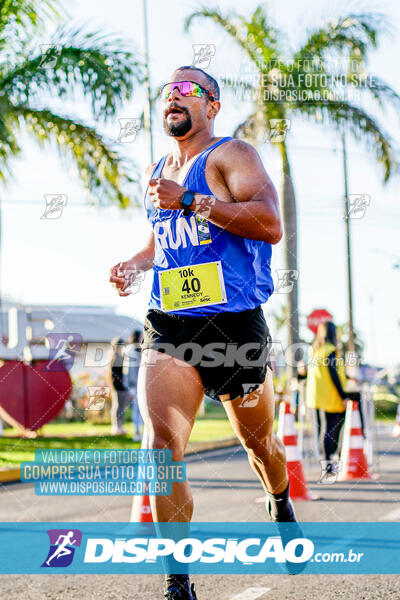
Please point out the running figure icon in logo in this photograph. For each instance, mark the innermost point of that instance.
(62, 542)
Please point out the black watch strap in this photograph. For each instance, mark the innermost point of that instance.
(186, 201)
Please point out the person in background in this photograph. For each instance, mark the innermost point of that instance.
(324, 392)
(133, 355)
(120, 397)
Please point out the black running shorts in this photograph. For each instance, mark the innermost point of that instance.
(230, 349)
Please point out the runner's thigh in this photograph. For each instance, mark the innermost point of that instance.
(170, 392)
(252, 416)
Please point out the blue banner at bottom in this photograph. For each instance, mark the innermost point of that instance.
(208, 548)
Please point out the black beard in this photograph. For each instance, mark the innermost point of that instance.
(177, 130)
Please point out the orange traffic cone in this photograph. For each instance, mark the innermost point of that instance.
(396, 428)
(141, 509)
(352, 456)
(287, 433)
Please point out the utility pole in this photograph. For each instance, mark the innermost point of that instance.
(348, 247)
(148, 105)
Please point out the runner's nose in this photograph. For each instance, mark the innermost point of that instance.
(174, 95)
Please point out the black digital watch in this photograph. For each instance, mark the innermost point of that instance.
(186, 201)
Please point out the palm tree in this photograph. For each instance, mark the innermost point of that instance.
(73, 64)
(306, 85)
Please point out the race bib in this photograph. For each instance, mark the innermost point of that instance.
(192, 286)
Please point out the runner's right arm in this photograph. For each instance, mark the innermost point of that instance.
(142, 260)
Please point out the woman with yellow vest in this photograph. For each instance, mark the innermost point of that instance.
(325, 380)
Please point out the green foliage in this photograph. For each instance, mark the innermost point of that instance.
(20, 19)
(89, 435)
(98, 68)
(385, 406)
(356, 33)
(99, 167)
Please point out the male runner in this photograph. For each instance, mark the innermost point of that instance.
(214, 214)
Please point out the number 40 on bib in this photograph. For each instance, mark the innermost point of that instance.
(192, 286)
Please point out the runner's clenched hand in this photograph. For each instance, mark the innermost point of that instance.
(166, 194)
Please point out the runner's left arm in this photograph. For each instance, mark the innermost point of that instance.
(254, 212)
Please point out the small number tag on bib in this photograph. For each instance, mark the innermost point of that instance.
(192, 286)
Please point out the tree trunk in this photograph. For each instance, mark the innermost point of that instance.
(288, 208)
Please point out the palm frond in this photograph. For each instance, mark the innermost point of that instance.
(100, 66)
(259, 54)
(19, 19)
(262, 34)
(25, 13)
(9, 146)
(282, 84)
(380, 91)
(354, 32)
(102, 171)
(346, 117)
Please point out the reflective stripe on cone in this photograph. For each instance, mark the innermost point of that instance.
(352, 456)
(287, 433)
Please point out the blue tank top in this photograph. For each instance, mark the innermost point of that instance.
(182, 241)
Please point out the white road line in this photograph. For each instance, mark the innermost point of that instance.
(393, 515)
(251, 593)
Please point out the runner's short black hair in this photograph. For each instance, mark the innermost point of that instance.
(212, 83)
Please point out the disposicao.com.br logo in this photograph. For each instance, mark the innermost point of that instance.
(204, 548)
(193, 550)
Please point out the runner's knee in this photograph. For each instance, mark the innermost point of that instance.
(259, 446)
(163, 440)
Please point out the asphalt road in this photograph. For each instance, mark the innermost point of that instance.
(225, 489)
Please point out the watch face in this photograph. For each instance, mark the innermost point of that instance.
(187, 199)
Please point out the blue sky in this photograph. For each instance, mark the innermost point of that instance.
(67, 260)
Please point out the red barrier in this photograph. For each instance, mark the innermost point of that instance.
(33, 397)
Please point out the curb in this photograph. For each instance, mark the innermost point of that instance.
(9, 475)
(12, 474)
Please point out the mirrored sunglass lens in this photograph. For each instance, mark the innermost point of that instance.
(186, 88)
(195, 89)
(167, 89)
